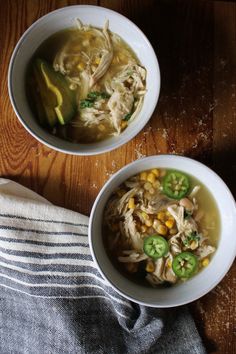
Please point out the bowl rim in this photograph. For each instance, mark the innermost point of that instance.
(96, 205)
(72, 151)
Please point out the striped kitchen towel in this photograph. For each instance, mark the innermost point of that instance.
(53, 299)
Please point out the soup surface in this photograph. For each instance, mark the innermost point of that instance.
(161, 227)
(85, 84)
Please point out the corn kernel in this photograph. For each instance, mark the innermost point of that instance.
(85, 43)
(143, 228)
(81, 66)
(156, 223)
(156, 184)
(143, 176)
(148, 222)
(101, 127)
(162, 230)
(151, 177)
(193, 245)
(205, 262)
(170, 223)
(97, 61)
(123, 124)
(161, 216)
(169, 263)
(152, 191)
(150, 267)
(147, 186)
(131, 204)
(156, 172)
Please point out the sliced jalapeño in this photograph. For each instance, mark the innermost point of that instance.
(175, 185)
(155, 246)
(185, 264)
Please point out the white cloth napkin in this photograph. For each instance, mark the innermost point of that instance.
(53, 299)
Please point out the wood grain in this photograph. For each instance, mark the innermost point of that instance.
(195, 42)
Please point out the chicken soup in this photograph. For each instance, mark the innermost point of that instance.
(161, 227)
(85, 84)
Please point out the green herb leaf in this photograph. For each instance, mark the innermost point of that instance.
(93, 95)
(127, 117)
(86, 103)
(193, 236)
(105, 95)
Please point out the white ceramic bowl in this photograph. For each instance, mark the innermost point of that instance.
(65, 18)
(204, 281)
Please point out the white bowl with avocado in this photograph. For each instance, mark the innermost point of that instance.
(47, 26)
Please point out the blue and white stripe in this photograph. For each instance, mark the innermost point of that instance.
(52, 261)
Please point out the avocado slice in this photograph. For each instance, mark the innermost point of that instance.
(58, 100)
(44, 100)
(66, 104)
(38, 103)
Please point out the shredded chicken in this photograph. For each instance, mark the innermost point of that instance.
(132, 257)
(84, 84)
(120, 104)
(158, 202)
(133, 76)
(163, 272)
(175, 244)
(139, 217)
(137, 108)
(159, 266)
(195, 190)
(168, 274)
(153, 280)
(106, 58)
(88, 114)
(131, 231)
(204, 251)
(132, 183)
(122, 205)
(85, 69)
(185, 226)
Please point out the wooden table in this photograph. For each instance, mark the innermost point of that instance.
(195, 42)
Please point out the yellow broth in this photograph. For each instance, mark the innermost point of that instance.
(211, 218)
(80, 42)
(209, 225)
